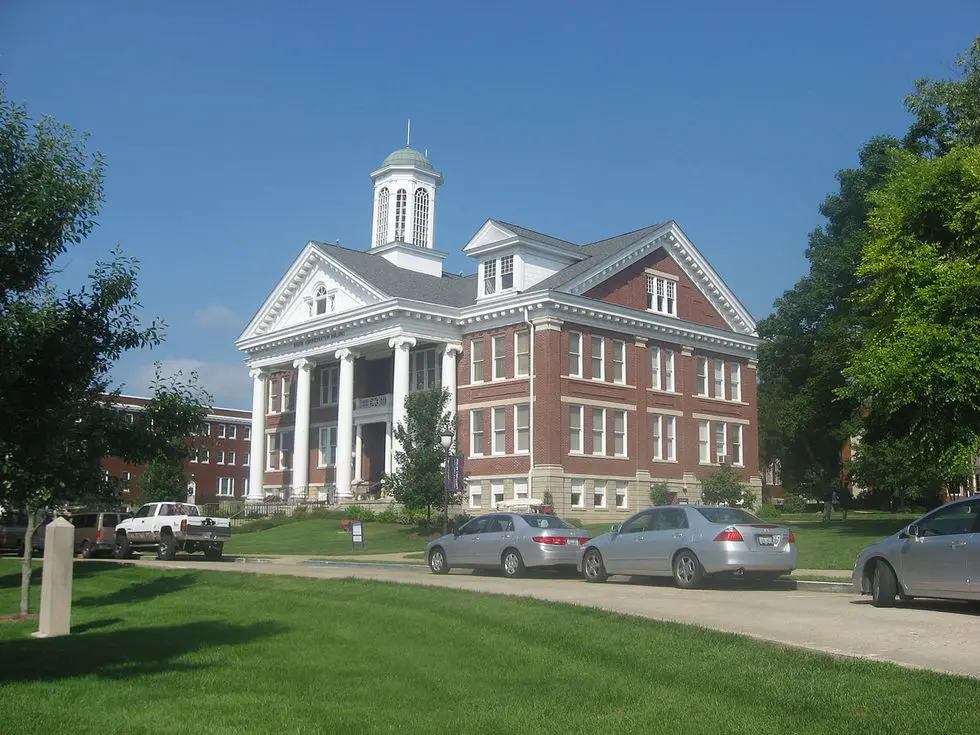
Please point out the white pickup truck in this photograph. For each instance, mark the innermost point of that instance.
(169, 527)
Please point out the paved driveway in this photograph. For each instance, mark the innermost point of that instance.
(932, 635)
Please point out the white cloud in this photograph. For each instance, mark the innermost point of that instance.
(216, 316)
(227, 382)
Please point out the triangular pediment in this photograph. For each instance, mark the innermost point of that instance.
(314, 276)
(607, 263)
(491, 232)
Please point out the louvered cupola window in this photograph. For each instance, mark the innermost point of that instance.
(382, 235)
(421, 229)
(401, 205)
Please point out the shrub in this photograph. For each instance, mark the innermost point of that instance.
(359, 513)
(794, 504)
(660, 494)
(768, 511)
(388, 515)
(724, 488)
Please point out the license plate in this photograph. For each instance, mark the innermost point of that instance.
(766, 540)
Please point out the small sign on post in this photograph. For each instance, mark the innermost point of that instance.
(356, 534)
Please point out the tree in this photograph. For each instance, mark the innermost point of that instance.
(57, 349)
(418, 484)
(660, 494)
(918, 367)
(723, 487)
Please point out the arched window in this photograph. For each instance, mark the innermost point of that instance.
(382, 236)
(401, 205)
(421, 234)
(322, 301)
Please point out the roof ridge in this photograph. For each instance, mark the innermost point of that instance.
(625, 234)
(536, 232)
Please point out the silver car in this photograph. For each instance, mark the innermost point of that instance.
(691, 542)
(510, 542)
(936, 556)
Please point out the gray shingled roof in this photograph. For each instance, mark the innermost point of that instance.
(540, 237)
(596, 252)
(402, 283)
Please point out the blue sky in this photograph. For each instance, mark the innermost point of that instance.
(237, 131)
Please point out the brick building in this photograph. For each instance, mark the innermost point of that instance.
(219, 468)
(587, 371)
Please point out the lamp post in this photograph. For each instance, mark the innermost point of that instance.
(447, 441)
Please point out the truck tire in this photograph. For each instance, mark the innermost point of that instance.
(215, 552)
(167, 548)
(122, 549)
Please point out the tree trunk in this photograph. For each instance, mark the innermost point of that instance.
(25, 567)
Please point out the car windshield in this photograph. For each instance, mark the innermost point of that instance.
(544, 521)
(728, 515)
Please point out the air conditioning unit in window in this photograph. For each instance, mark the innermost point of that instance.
(721, 459)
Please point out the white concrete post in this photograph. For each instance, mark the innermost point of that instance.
(301, 430)
(449, 355)
(399, 389)
(59, 546)
(345, 422)
(256, 459)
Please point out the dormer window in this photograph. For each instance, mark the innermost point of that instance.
(322, 302)
(662, 294)
(498, 279)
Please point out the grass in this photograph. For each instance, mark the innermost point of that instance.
(324, 537)
(213, 652)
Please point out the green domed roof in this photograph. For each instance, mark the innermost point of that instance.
(408, 157)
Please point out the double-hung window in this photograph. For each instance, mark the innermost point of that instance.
(735, 381)
(232, 431)
(574, 355)
(522, 427)
(619, 433)
(575, 428)
(327, 446)
(598, 359)
(655, 372)
(424, 368)
(662, 295)
(476, 361)
(664, 438)
(704, 443)
(499, 418)
(721, 441)
(522, 352)
(669, 370)
(599, 494)
(702, 376)
(330, 385)
(619, 361)
(736, 458)
(499, 347)
(477, 448)
(497, 490)
(476, 494)
(489, 276)
(621, 487)
(720, 379)
(598, 431)
(578, 493)
(507, 272)
(226, 486)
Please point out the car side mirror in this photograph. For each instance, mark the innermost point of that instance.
(913, 530)
(457, 533)
(614, 528)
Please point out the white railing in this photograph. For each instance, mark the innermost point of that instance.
(382, 401)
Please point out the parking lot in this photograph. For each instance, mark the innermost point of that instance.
(922, 634)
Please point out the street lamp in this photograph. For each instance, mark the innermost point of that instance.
(447, 441)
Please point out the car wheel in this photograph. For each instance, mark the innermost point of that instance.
(214, 553)
(167, 549)
(688, 572)
(123, 550)
(884, 586)
(511, 563)
(592, 567)
(437, 562)
(87, 551)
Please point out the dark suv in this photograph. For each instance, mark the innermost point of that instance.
(13, 529)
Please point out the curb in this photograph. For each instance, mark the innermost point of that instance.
(813, 586)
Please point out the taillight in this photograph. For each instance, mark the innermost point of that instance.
(183, 525)
(551, 540)
(729, 534)
(791, 539)
(98, 535)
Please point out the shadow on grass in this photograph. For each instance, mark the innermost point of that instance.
(122, 654)
(141, 591)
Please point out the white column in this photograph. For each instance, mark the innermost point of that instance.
(387, 447)
(399, 390)
(345, 422)
(301, 430)
(256, 459)
(449, 355)
(357, 452)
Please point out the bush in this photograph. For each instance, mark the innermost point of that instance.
(794, 504)
(359, 513)
(768, 512)
(723, 487)
(660, 494)
(388, 515)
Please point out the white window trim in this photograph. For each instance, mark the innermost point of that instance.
(473, 433)
(596, 484)
(580, 449)
(517, 354)
(718, 366)
(514, 484)
(724, 440)
(580, 485)
(670, 374)
(624, 495)
(701, 368)
(494, 484)
(578, 367)
(518, 428)
(736, 430)
(670, 438)
(322, 462)
(494, 357)
(657, 436)
(482, 361)
(476, 493)
(735, 382)
(230, 481)
(602, 357)
(496, 431)
(626, 450)
(329, 377)
(656, 374)
(661, 279)
(704, 442)
(602, 450)
(619, 347)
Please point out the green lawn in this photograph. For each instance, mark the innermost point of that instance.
(323, 537)
(219, 652)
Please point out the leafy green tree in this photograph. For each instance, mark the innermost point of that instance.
(57, 348)
(918, 368)
(660, 494)
(163, 480)
(418, 484)
(723, 487)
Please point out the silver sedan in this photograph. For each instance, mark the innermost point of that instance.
(510, 542)
(690, 542)
(936, 556)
